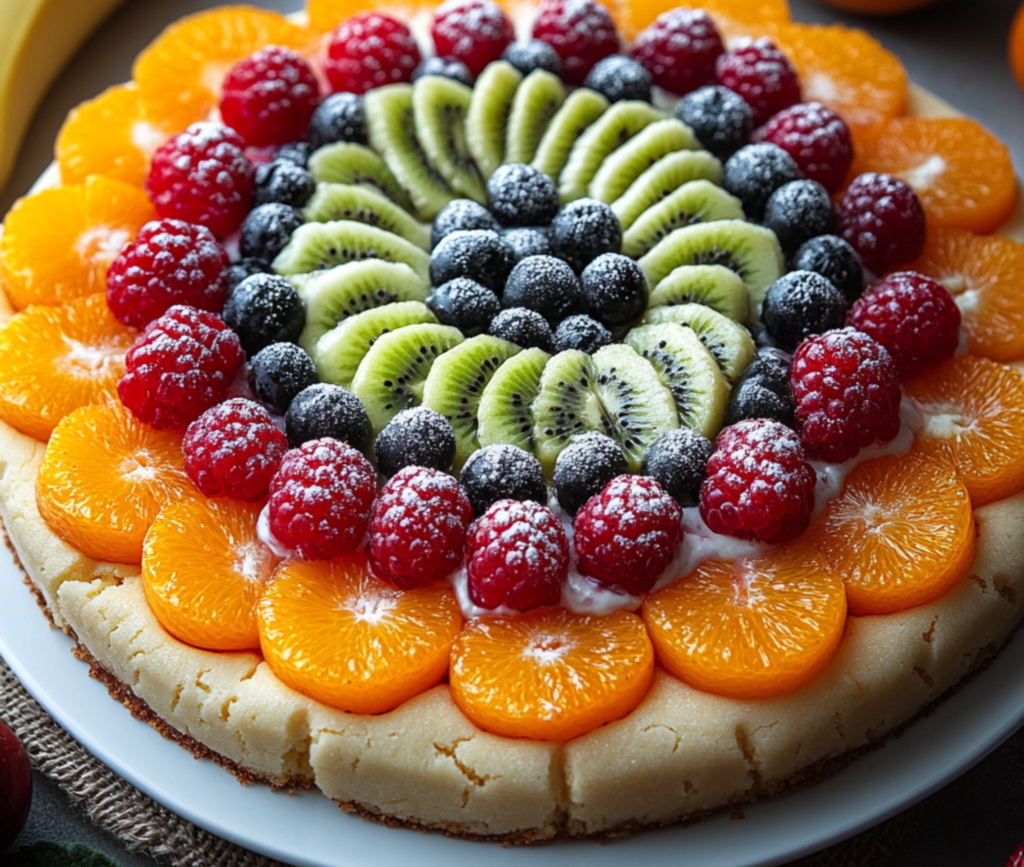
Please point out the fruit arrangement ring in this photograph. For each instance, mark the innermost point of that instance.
(529, 439)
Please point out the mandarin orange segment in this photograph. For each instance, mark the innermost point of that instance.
(204, 570)
(334, 632)
(973, 419)
(901, 533)
(104, 478)
(56, 359)
(962, 174)
(325, 15)
(58, 243)
(551, 675)
(753, 628)
(733, 18)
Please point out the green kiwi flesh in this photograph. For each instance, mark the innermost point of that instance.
(728, 342)
(714, 286)
(662, 179)
(439, 107)
(505, 414)
(536, 101)
(488, 114)
(364, 205)
(347, 163)
(579, 111)
(625, 165)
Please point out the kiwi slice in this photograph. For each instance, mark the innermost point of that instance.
(581, 108)
(714, 286)
(347, 163)
(456, 383)
(637, 155)
(364, 205)
(488, 115)
(614, 392)
(338, 352)
(391, 124)
(439, 107)
(729, 342)
(689, 371)
(694, 202)
(538, 98)
(662, 179)
(505, 413)
(391, 375)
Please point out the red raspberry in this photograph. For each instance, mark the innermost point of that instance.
(180, 366)
(269, 97)
(581, 32)
(816, 137)
(913, 317)
(370, 50)
(320, 499)
(473, 31)
(846, 393)
(169, 262)
(679, 50)
(418, 527)
(625, 536)
(517, 556)
(759, 484)
(203, 176)
(761, 74)
(234, 450)
(882, 219)
(1017, 858)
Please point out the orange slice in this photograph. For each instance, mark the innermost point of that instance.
(333, 631)
(962, 174)
(1016, 46)
(204, 569)
(56, 359)
(750, 629)
(58, 243)
(973, 412)
(901, 533)
(733, 18)
(551, 675)
(104, 478)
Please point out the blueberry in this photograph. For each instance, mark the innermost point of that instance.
(279, 372)
(835, 259)
(771, 369)
(678, 461)
(523, 327)
(480, 255)
(618, 77)
(502, 472)
(720, 118)
(445, 67)
(236, 272)
(583, 333)
(464, 304)
(520, 195)
(533, 54)
(295, 152)
(417, 437)
(614, 289)
(756, 171)
(545, 284)
(528, 241)
(583, 468)
(324, 410)
(284, 182)
(799, 304)
(340, 117)
(264, 309)
(583, 230)
(799, 211)
(753, 399)
(461, 215)
(267, 230)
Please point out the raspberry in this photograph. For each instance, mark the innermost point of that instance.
(202, 176)
(320, 499)
(180, 366)
(913, 317)
(370, 50)
(759, 483)
(846, 393)
(168, 263)
(418, 527)
(581, 32)
(516, 556)
(233, 450)
(679, 50)
(626, 535)
(476, 32)
(268, 98)
(816, 137)
(761, 74)
(882, 220)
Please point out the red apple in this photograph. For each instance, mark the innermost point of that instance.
(15, 788)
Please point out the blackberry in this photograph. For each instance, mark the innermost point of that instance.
(834, 259)
(523, 327)
(264, 309)
(614, 289)
(279, 372)
(678, 461)
(324, 410)
(502, 472)
(267, 230)
(236, 272)
(545, 284)
(583, 230)
(445, 67)
(284, 182)
(528, 241)
(340, 117)
(799, 211)
(521, 195)
(721, 119)
(480, 255)
(618, 77)
(464, 304)
(295, 152)
(461, 215)
(583, 333)
(756, 171)
(583, 468)
(416, 437)
(799, 304)
(533, 54)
